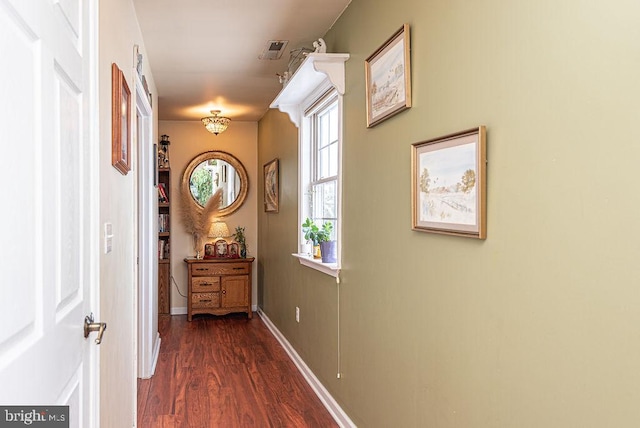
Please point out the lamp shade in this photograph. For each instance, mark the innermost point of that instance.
(218, 229)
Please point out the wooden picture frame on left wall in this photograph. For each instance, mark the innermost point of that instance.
(120, 121)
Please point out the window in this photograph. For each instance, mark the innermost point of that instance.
(323, 164)
(313, 101)
(320, 163)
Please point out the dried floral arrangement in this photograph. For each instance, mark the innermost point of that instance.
(197, 220)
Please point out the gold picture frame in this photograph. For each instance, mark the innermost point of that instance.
(120, 121)
(388, 78)
(271, 186)
(448, 184)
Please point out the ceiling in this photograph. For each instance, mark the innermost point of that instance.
(204, 54)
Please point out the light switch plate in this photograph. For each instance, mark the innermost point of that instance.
(108, 238)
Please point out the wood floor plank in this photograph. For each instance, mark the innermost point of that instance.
(143, 394)
(165, 378)
(163, 421)
(225, 372)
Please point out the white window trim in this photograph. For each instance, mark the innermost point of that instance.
(315, 76)
(331, 269)
(304, 145)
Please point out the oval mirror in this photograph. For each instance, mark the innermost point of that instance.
(210, 171)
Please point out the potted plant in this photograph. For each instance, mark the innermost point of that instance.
(240, 239)
(321, 239)
(310, 231)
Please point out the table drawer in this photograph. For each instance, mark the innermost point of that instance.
(205, 300)
(205, 284)
(205, 269)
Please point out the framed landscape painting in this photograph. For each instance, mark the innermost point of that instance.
(388, 78)
(448, 184)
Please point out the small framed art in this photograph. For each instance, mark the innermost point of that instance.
(388, 78)
(271, 186)
(233, 250)
(120, 121)
(448, 184)
(209, 251)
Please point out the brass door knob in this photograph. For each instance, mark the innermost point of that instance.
(90, 325)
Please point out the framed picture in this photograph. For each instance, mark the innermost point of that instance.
(388, 78)
(120, 121)
(271, 196)
(209, 251)
(233, 250)
(155, 165)
(221, 248)
(448, 184)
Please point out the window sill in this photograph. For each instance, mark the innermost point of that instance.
(331, 269)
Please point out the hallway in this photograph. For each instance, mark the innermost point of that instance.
(225, 372)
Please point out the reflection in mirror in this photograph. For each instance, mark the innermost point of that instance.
(214, 170)
(211, 175)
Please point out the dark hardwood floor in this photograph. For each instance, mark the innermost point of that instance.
(225, 372)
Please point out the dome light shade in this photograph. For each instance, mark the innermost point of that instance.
(214, 123)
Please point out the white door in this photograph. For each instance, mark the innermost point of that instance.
(49, 205)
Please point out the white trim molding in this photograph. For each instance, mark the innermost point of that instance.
(179, 311)
(314, 70)
(331, 269)
(325, 397)
(156, 354)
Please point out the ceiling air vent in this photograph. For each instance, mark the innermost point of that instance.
(274, 49)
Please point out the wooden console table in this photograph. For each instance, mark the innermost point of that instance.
(219, 286)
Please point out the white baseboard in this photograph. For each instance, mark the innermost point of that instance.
(178, 311)
(156, 353)
(325, 397)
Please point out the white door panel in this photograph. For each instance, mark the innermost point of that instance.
(47, 254)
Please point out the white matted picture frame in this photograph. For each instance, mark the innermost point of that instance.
(388, 78)
(448, 184)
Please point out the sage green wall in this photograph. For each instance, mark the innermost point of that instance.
(283, 283)
(537, 325)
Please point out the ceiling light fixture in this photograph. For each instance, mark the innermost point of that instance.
(216, 124)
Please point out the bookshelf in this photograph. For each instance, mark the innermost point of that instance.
(164, 240)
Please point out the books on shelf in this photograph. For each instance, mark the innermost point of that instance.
(163, 223)
(163, 249)
(162, 193)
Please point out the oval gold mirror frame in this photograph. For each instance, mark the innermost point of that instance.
(231, 160)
